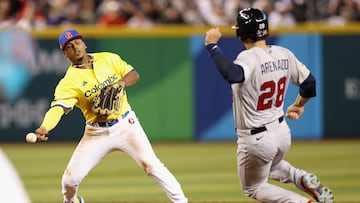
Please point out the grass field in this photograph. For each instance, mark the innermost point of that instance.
(207, 171)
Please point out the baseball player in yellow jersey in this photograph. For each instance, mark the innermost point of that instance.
(88, 73)
(259, 78)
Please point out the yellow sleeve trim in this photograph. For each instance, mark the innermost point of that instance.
(52, 117)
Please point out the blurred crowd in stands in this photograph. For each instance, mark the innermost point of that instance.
(39, 14)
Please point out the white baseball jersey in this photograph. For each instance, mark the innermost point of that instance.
(267, 74)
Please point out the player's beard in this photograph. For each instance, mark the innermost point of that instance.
(80, 59)
(79, 55)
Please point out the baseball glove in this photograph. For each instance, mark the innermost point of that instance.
(109, 100)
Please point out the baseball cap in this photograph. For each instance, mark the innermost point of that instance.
(67, 36)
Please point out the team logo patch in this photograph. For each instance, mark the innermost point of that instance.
(131, 121)
(68, 35)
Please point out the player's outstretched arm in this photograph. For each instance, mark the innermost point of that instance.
(51, 119)
(231, 72)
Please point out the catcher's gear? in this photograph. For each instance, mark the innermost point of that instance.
(109, 100)
(251, 23)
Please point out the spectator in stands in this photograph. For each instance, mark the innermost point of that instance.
(281, 15)
(110, 13)
(129, 8)
(139, 20)
(147, 13)
(212, 12)
(170, 15)
(88, 11)
(6, 19)
(73, 14)
(190, 13)
(233, 6)
(30, 18)
(343, 11)
(149, 9)
(56, 13)
(263, 5)
(300, 10)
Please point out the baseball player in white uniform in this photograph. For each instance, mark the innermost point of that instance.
(87, 74)
(11, 186)
(259, 78)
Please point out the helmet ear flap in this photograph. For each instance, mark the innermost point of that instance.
(241, 34)
(238, 33)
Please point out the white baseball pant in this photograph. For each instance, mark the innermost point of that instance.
(126, 135)
(261, 157)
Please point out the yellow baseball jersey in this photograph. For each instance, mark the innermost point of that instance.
(79, 86)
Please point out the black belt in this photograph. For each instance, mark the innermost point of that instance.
(262, 129)
(109, 123)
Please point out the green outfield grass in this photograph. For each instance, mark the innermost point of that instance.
(207, 171)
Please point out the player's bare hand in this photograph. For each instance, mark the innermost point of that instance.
(294, 112)
(212, 36)
(42, 134)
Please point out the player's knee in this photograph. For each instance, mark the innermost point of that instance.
(147, 167)
(257, 191)
(150, 164)
(251, 191)
(69, 180)
(151, 168)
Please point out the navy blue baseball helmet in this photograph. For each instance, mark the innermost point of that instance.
(251, 24)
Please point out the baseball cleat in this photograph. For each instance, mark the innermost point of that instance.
(319, 192)
(78, 199)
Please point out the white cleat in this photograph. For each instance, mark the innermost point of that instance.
(319, 192)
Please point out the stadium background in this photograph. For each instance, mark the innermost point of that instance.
(180, 95)
(180, 99)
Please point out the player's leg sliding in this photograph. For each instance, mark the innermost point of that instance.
(319, 192)
(273, 194)
(284, 172)
(78, 199)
